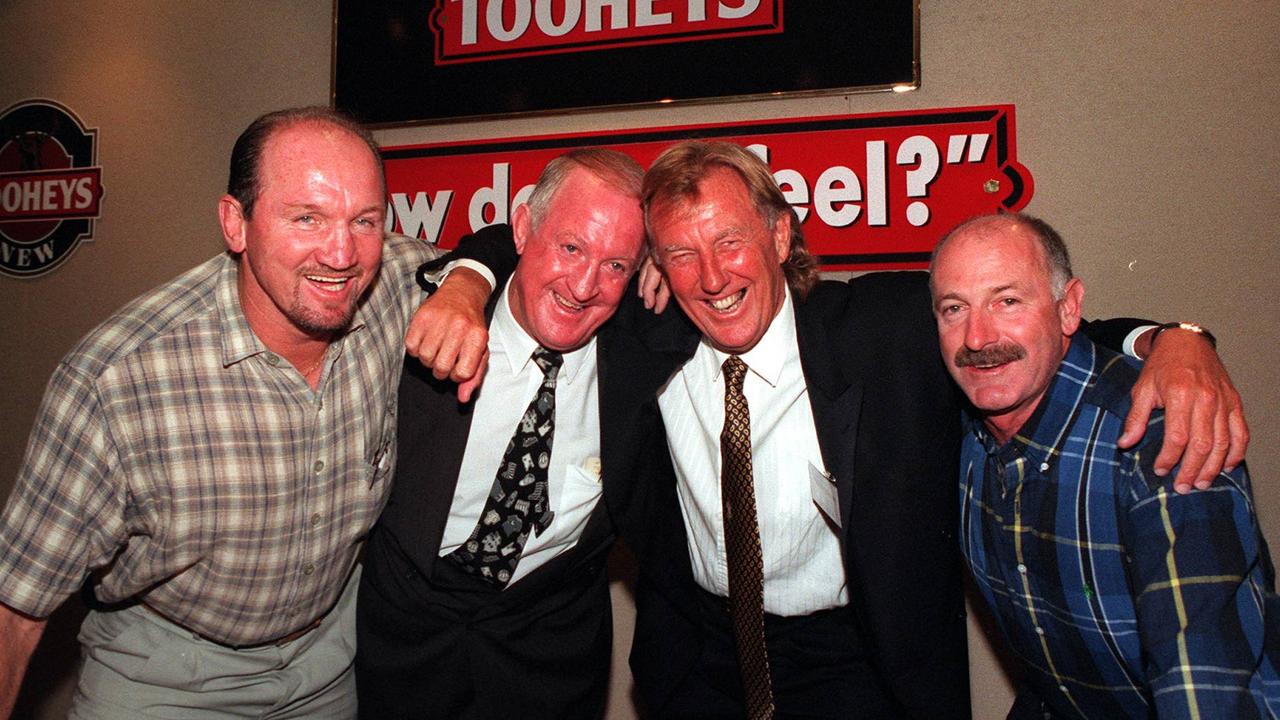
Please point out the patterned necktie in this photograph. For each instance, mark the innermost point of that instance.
(518, 502)
(742, 544)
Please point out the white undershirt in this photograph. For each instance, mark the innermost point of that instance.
(803, 567)
(573, 476)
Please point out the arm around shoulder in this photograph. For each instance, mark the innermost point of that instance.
(449, 332)
(1205, 428)
(492, 246)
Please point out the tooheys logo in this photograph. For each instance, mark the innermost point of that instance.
(475, 30)
(50, 187)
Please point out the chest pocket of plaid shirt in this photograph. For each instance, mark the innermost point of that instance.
(381, 459)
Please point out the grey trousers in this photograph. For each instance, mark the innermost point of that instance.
(136, 664)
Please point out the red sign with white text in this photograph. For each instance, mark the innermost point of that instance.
(872, 191)
(476, 30)
(50, 194)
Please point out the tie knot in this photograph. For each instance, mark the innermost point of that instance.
(734, 372)
(548, 360)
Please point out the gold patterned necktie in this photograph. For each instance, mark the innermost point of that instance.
(742, 544)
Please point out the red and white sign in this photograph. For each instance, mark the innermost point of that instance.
(872, 191)
(50, 194)
(476, 30)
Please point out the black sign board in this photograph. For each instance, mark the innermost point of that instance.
(406, 61)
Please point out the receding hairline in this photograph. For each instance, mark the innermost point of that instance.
(1053, 252)
(612, 169)
(272, 143)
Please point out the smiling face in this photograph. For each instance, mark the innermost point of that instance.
(722, 261)
(314, 242)
(1002, 333)
(575, 265)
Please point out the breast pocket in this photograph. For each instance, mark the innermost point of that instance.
(381, 458)
(380, 461)
(582, 487)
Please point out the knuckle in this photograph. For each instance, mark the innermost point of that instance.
(1178, 393)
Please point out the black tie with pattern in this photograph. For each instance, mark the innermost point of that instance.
(518, 502)
(742, 544)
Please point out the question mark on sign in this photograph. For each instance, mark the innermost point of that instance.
(919, 149)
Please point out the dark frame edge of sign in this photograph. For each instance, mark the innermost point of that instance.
(333, 56)
(914, 84)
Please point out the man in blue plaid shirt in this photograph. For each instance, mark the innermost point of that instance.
(1120, 597)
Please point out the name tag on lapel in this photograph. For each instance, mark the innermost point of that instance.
(825, 495)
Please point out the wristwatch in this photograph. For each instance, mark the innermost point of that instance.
(1189, 327)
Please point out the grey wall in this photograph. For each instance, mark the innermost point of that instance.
(1149, 128)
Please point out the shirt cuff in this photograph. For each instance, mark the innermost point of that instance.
(437, 277)
(1127, 346)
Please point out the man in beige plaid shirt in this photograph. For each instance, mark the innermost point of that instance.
(212, 456)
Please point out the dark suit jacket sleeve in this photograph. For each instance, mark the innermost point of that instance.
(895, 457)
(493, 246)
(1111, 333)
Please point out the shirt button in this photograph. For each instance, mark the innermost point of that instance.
(318, 466)
(1044, 467)
(273, 359)
(308, 569)
(315, 520)
(1022, 568)
(1039, 630)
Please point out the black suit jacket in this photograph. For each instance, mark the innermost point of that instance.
(436, 642)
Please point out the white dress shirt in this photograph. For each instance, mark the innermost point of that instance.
(803, 566)
(573, 476)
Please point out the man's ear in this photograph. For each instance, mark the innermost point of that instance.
(231, 218)
(782, 236)
(1070, 305)
(521, 226)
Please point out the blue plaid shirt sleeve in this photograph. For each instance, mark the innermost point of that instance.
(1193, 562)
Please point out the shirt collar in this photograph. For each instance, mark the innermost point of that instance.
(518, 345)
(239, 341)
(777, 349)
(1041, 437)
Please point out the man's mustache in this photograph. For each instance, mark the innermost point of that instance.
(992, 355)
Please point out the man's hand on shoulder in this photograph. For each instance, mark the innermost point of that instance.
(1205, 428)
(449, 333)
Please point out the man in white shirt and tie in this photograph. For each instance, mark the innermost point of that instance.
(484, 593)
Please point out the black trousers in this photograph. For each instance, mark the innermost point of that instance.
(452, 646)
(819, 664)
